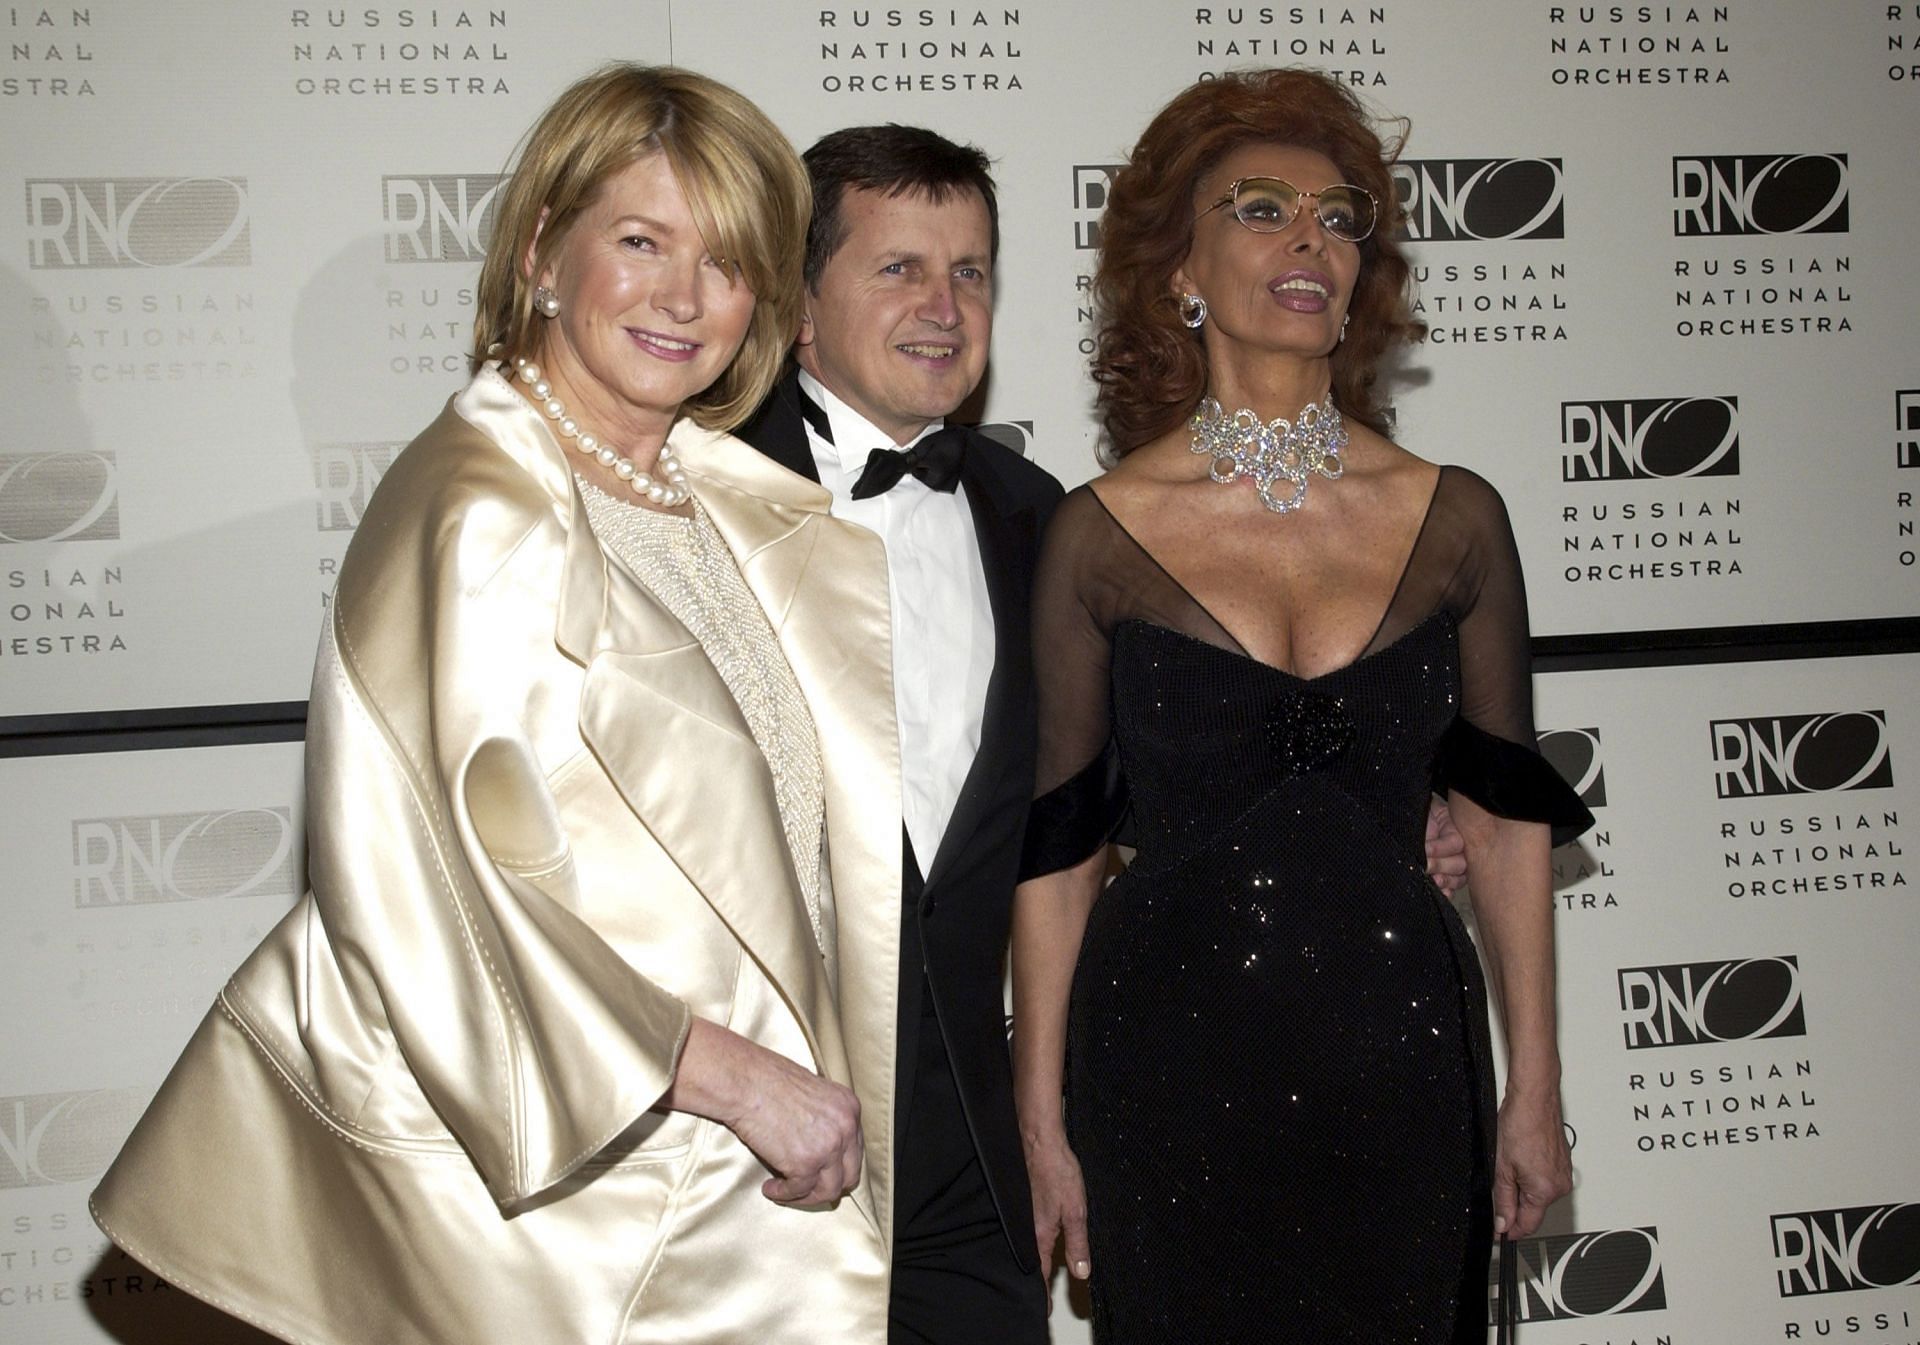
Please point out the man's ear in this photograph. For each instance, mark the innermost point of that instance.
(805, 335)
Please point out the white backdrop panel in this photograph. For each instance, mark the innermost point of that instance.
(134, 883)
(240, 276)
(1735, 940)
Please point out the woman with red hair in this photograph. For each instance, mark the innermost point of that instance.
(1275, 632)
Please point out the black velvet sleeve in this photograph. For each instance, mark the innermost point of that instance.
(1075, 817)
(1509, 780)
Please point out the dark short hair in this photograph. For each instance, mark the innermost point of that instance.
(894, 160)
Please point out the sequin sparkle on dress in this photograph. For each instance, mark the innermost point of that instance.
(1278, 1079)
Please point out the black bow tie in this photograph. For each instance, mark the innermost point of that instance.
(935, 460)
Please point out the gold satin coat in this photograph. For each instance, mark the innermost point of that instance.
(541, 836)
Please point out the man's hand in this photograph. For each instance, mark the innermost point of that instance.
(1446, 849)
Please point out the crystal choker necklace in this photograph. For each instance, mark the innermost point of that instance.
(1277, 451)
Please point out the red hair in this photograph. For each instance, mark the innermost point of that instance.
(1149, 366)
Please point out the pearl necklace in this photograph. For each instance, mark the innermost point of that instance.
(1275, 450)
(668, 489)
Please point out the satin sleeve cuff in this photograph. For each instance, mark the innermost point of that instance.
(1076, 817)
(1509, 780)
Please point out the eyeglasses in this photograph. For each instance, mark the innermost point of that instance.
(1267, 205)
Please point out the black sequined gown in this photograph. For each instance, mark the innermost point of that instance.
(1278, 1082)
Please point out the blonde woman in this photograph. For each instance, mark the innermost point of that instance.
(573, 1037)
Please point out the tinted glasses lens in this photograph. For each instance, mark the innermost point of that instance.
(1265, 204)
(1347, 212)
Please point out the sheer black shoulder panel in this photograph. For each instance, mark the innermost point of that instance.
(1466, 563)
(1092, 576)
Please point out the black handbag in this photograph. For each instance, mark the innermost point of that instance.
(1506, 1324)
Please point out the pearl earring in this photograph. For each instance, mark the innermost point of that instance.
(1193, 310)
(546, 301)
(1343, 327)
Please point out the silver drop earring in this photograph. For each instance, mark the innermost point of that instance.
(546, 301)
(1193, 310)
(1343, 328)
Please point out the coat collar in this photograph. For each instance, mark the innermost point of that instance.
(588, 623)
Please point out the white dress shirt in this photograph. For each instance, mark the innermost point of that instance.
(943, 644)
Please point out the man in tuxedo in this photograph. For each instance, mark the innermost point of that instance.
(899, 272)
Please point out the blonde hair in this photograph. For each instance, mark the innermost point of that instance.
(746, 187)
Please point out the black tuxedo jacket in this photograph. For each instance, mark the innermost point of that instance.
(958, 928)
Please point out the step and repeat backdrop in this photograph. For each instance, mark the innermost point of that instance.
(1737, 944)
(1666, 258)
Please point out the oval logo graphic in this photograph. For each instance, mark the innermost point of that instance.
(1575, 754)
(1796, 194)
(59, 497)
(183, 221)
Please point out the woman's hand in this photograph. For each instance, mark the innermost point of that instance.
(806, 1129)
(1049, 917)
(1512, 903)
(1059, 1203)
(1532, 1167)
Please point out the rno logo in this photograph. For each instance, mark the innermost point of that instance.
(1728, 195)
(439, 218)
(1090, 184)
(1801, 754)
(124, 861)
(1575, 753)
(1906, 418)
(1014, 434)
(1650, 439)
(96, 223)
(345, 475)
(1697, 1003)
(59, 497)
(1456, 200)
(1832, 1251)
(50, 1139)
(1589, 1275)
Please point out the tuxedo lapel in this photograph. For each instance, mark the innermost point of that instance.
(1005, 530)
(778, 430)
